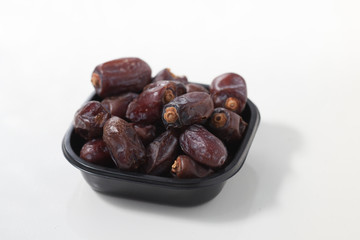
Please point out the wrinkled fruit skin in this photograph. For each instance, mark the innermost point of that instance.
(202, 146)
(148, 106)
(191, 108)
(166, 74)
(95, 151)
(117, 105)
(90, 119)
(161, 125)
(121, 75)
(233, 128)
(161, 153)
(229, 85)
(185, 167)
(124, 144)
(193, 87)
(147, 133)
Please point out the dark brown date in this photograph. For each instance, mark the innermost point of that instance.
(229, 91)
(147, 133)
(187, 109)
(203, 146)
(148, 106)
(95, 151)
(227, 125)
(121, 75)
(124, 144)
(185, 167)
(193, 87)
(117, 105)
(166, 74)
(161, 153)
(89, 120)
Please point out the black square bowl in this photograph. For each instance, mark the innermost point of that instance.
(165, 190)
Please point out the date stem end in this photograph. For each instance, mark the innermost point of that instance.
(219, 120)
(232, 103)
(171, 115)
(95, 80)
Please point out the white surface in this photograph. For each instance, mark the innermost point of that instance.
(300, 60)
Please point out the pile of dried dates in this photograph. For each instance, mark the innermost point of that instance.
(160, 125)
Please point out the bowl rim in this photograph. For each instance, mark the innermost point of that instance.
(219, 176)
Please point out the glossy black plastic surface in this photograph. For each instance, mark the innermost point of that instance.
(164, 190)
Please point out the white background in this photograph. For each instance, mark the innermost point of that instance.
(301, 61)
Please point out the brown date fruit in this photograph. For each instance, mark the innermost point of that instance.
(161, 153)
(185, 167)
(95, 151)
(193, 87)
(187, 109)
(120, 75)
(166, 74)
(89, 120)
(148, 106)
(227, 125)
(125, 146)
(229, 91)
(202, 146)
(117, 105)
(147, 133)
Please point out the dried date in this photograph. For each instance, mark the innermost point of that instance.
(161, 153)
(148, 106)
(166, 74)
(121, 75)
(95, 151)
(227, 125)
(90, 119)
(185, 167)
(229, 91)
(187, 109)
(125, 146)
(203, 146)
(193, 87)
(147, 133)
(117, 105)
